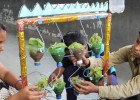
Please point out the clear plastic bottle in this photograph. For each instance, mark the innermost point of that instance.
(120, 6)
(112, 5)
(116, 6)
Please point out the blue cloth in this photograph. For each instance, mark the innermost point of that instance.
(113, 80)
(112, 69)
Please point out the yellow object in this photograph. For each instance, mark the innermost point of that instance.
(107, 44)
(51, 19)
(22, 58)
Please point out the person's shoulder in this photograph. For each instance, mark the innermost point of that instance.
(127, 47)
(124, 49)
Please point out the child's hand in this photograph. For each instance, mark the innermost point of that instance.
(86, 61)
(53, 77)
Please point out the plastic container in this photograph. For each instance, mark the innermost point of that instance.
(58, 54)
(116, 6)
(120, 6)
(38, 79)
(36, 57)
(58, 87)
(78, 55)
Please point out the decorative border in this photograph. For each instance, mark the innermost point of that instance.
(57, 9)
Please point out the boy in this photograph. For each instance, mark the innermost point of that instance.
(69, 63)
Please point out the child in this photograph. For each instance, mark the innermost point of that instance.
(69, 63)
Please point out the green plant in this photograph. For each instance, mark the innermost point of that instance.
(42, 83)
(75, 46)
(95, 42)
(57, 51)
(95, 73)
(53, 48)
(58, 86)
(76, 79)
(35, 45)
(77, 50)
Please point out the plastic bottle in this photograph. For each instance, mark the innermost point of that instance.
(120, 6)
(116, 6)
(112, 5)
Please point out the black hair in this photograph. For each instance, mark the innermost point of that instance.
(74, 36)
(2, 27)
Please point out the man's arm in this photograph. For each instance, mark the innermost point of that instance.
(118, 57)
(131, 88)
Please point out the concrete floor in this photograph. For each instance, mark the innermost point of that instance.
(10, 58)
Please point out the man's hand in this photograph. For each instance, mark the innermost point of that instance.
(86, 89)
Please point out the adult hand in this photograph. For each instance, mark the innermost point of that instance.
(27, 93)
(86, 89)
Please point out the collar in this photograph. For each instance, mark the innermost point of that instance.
(131, 54)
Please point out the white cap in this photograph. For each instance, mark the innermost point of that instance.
(79, 62)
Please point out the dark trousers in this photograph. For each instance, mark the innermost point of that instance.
(136, 97)
(71, 95)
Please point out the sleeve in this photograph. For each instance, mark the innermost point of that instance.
(94, 62)
(115, 58)
(131, 88)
